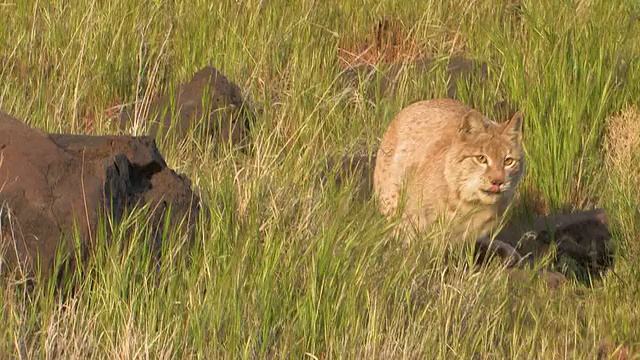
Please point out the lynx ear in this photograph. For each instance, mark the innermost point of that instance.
(472, 122)
(513, 128)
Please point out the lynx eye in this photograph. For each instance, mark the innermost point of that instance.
(509, 161)
(481, 159)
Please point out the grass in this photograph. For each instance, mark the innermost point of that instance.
(285, 267)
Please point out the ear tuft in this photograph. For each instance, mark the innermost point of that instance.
(472, 122)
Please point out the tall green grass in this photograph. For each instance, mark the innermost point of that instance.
(286, 267)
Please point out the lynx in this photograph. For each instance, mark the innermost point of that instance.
(440, 159)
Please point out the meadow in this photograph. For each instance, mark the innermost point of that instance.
(287, 266)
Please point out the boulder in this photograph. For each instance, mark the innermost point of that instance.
(53, 186)
(579, 243)
(209, 104)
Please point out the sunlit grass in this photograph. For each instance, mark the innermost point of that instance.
(285, 267)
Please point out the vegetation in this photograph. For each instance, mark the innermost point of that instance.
(286, 267)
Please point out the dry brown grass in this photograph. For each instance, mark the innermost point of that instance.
(388, 42)
(622, 141)
(622, 155)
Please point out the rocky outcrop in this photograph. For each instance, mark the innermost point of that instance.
(53, 187)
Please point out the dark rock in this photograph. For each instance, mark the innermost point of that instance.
(209, 104)
(580, 241)
(52, 185)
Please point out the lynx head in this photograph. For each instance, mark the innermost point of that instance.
(485, 162)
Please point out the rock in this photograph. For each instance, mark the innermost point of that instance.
(582, 242)
(51, 182)
(487, 248)
(209, 104)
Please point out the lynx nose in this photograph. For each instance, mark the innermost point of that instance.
(496, 180)
(496, 177)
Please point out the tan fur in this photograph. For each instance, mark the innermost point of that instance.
(430, 153)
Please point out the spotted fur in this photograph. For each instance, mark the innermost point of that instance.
(451, 161)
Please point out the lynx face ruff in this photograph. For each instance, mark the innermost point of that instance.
(440, 159)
